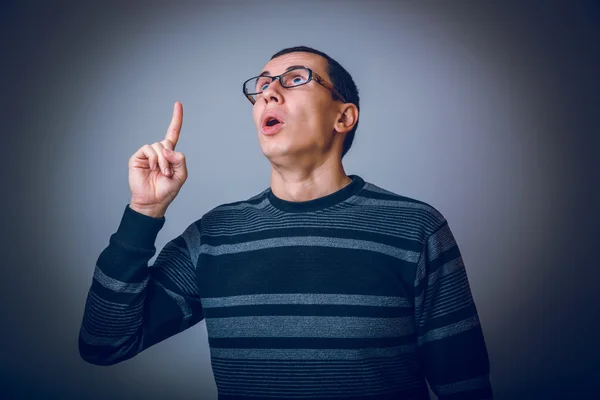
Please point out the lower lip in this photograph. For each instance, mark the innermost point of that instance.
(272, 130)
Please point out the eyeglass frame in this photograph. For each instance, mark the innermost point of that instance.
(311, 76)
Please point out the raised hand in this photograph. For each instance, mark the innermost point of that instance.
(157, 172)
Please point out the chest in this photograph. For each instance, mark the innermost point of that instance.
(311, 266)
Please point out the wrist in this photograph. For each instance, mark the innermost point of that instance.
(150, 211)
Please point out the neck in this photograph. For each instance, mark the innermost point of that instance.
(308, 184)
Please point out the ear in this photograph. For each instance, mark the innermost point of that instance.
(347, 118)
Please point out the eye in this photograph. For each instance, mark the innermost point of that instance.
(298, 80)
(262, 84)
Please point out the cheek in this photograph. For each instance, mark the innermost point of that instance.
(256, 111)
(319, 119)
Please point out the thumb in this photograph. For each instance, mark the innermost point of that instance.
(176, 159)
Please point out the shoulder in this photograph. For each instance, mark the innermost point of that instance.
(225, 216)
(409, 209)
(256, 201)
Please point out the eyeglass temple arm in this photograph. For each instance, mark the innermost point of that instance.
(327, 85)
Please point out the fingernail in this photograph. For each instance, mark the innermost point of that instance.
(168, 151)
(167, 171)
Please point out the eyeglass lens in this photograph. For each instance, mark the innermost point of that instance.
(291, 78)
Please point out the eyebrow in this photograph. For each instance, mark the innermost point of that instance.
(267, 73)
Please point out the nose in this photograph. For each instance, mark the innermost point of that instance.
(273, 92)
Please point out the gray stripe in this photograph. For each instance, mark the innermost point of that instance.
(94, 340)
(116, 285)
(441, 272)
(177, 268)
(404, 222)
(102, 328)
(304, 378)
(241, 206)
(374, 188)
(399, 367)
(329, 385)
(313, 354)
(103, 312)
(451, 283)
(110, 306)
(400, 203)
(463, 386)
(465, 303)
(303, 372)
(439, 242)
(454, 293)
(382, 214)
(450, 330)
(406, 230)
(309, 326)
(404, 361)
(421, 269)
(405, 255)
(192, 239)
(305, 298)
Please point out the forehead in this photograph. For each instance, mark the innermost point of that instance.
(315, 62)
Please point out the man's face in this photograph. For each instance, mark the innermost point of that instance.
(307, 113)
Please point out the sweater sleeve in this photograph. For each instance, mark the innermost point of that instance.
(131, 306)
(449, 336)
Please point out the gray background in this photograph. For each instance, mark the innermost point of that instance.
(486, 110)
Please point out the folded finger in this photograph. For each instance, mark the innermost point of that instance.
(163, 163)
(146, 155)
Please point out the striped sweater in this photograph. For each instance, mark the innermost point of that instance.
(360, 294)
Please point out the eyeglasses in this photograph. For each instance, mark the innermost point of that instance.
(289, 79)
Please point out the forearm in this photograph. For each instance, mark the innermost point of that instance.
(112, 328)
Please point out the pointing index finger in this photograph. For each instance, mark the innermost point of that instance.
(175, 125)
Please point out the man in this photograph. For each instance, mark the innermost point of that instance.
(321, 286)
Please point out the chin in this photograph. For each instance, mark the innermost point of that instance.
(274, 151)
(279, 146)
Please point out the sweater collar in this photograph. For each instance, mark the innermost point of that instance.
(319, 203)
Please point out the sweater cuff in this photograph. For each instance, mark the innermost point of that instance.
(138, 230)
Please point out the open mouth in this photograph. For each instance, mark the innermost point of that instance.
(272, 122)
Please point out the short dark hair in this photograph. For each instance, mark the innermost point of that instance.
(342, 81)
